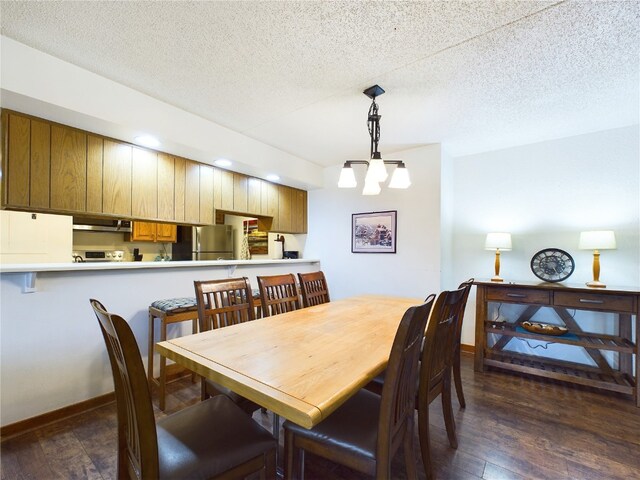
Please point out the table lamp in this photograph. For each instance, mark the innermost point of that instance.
(498, 241)
(598, 240)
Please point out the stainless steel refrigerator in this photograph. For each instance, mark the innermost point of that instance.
(214, 242)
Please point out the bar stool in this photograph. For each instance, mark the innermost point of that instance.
(171, 310)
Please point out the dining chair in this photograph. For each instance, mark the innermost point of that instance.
(314, 289)
(278, 294)
(222, 303)
(366, 432)
(436, 367)
(212, 439)
(457, 378)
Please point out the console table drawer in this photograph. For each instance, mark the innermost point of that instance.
(519, 295)
(594, 301)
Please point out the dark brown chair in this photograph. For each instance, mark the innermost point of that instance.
(436, 366)
(457, 379)
(368, 429)
(313, 287)
(278, 294)
(222, 303)
(212, 439)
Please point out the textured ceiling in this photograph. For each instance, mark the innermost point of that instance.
(474, 76)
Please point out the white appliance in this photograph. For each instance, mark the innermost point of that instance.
(27, 237)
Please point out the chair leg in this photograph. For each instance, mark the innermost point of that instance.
(409, 456)
(423, 434)
(203, 390)
(457, 379)
(291, 455)
(449, 421)
(270, 465)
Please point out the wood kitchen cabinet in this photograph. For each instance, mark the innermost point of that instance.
(116, 178)
(68, 169)
(144, 184)
(54, 168)
(153, 232)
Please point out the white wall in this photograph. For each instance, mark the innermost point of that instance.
(74, 96)
(415, 269)
(545, 194)
(51, 339)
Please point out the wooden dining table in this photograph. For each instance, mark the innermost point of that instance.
(302, 365)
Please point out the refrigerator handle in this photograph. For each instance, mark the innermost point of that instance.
(196, 242)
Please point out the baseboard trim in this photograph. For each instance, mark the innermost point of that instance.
(471, 349)
(32, 423)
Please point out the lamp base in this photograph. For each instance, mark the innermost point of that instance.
(595, 284)
(497, 279)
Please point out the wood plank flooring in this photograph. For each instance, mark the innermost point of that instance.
(514, 427)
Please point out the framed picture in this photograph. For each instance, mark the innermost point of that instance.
(374, 232)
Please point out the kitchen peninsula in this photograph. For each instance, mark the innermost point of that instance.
(55, 342)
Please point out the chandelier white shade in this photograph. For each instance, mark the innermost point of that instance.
(347, 178)
(400, 178)
(371, 187)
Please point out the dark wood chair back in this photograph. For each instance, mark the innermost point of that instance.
(224, 302)
(278, 294)
(397, 403)
(436, 366)
(137, 437)
(457, 377)
(313, 287)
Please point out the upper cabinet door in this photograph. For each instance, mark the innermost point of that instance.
(144, 184)
(254, 196)
(68, 169)
(116, 192)
(40, 164)
(179, 187)
(166, 187)
(192, 192)
(222, 189)
(239, 193)
(95, 155)
(18, 160)
(206, 195)
(299, 211)
(284, 211)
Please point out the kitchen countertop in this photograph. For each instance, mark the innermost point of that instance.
(70, 267)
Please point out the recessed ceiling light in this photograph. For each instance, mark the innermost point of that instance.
(272, 177)
(147, 141)
(222, 162)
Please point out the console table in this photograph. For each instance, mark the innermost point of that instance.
(624, 303)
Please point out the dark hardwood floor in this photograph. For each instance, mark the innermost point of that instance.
(514, 427)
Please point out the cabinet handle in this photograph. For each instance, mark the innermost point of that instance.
(516, 295)
(586, 300)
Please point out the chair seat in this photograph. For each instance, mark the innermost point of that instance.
(212, 389)
(192, 444)
(352, 428)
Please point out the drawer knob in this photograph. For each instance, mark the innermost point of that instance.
(588, 300)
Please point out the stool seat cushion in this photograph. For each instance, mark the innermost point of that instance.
(176, 305)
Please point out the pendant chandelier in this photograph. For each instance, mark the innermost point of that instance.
(376, 169)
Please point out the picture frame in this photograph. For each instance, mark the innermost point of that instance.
(374, 232)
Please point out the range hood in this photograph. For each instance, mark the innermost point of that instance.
(101, 225)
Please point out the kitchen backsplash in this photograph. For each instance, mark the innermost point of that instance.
(117, 241)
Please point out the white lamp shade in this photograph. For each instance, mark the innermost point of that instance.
(500, 241)
(377, 171)
(371, 188)
(597, 240)
(400, 178)
(347, 178)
